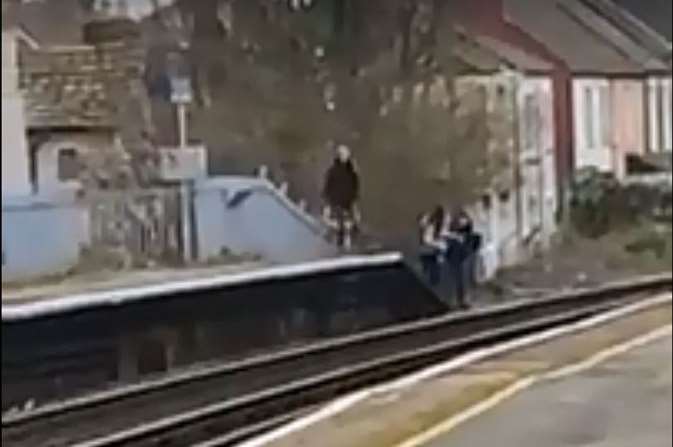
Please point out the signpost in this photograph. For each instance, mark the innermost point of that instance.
(182, 96)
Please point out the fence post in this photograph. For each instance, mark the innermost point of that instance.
(263, 172)
(187, 188)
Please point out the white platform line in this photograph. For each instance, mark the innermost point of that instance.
(527, 382)
(471, 413)
(351, 400)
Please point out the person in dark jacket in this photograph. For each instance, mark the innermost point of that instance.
(459, 254)
(341, 192)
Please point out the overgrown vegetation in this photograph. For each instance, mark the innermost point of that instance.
(600, 204)
(280, 87)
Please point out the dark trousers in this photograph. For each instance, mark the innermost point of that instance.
(431, 268)
(473, 243)
(456, 257)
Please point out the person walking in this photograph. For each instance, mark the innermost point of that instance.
(341, 192)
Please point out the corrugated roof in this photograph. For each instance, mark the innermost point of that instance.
(582, 49)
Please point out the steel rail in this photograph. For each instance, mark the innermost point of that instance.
(196, 406)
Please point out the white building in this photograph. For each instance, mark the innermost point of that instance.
(15, 158)
(518, 216)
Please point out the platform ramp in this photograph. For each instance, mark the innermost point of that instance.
(253, 216)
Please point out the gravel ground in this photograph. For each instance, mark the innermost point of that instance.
(576, 262)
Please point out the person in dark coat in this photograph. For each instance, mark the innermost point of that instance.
(458, 255)
(342, 190)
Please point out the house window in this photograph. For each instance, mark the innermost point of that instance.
(667, 115)
(533, 123)
(597, 115)
(605, 116)
(660, 115)
(661, 124)
(68, 164)
(589, 124)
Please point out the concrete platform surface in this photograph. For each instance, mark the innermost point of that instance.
(625, 402)
(404, 417)
(110, 280)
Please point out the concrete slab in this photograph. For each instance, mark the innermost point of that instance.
(390, 419)
(625, 402)
(34, 302)
(110, 280)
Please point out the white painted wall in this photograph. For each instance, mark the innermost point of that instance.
(15, 166)
(536, 121)
(48, 180)
(593, 124)
(266, 223)
(41, 236)
(533, 96)
(95, 150)
(9, 63)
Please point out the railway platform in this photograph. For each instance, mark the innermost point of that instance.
(493, 398)
(49, 290)
(98, 339)
(623, 402)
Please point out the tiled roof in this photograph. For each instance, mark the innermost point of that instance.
(475, 56)
(612, 35)
(514, 56)
(633, 27)
(51, 22)
(67, 87)
(656, 14)
(583, 50)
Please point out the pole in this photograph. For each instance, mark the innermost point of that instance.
(181, 97)
(185, 187)
(517, 171)
(182, 124)
(187, 224)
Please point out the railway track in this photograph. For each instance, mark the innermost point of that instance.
(222, 405)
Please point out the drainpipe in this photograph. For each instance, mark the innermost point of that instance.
(517, 157)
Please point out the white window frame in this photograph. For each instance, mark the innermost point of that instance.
(667, 103)
(594, 114)
(660, 114)
(588, 119)
(652, 116)
(604, 114)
